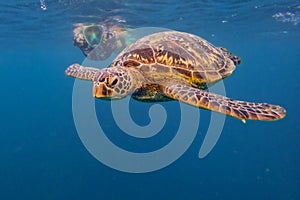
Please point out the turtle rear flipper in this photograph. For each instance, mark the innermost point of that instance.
(238, 109)
(236, 60)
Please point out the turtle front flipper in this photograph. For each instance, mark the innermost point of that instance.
(78, 71)
(238, 109)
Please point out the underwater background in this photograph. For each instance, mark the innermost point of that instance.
(42, 156)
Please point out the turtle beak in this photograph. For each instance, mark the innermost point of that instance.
(100, 90)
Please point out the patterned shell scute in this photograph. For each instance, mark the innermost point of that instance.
(181, 53)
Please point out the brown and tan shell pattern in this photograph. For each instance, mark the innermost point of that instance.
(177, 54)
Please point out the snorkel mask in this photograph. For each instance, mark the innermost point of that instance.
(92, 34)
(87, 36)
(98, 41)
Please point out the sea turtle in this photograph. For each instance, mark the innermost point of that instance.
(173, 65)
(104, 38)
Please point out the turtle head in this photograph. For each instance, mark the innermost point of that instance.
(113, 83)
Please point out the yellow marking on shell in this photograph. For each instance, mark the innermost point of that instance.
(184, 62)
(196, 82)
(166, 59)
(145, 60)
(181, 62)
(169, 61)
(138, 57)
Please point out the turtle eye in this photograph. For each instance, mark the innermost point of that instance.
(103, 80)
(112, 81)
(109, 81)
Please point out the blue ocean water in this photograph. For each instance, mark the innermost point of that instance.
(43, 157)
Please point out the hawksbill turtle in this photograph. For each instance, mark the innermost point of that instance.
(173, 65)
